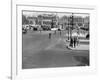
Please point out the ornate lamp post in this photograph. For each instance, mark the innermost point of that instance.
(70, 27)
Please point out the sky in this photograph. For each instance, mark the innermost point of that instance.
(34, 13)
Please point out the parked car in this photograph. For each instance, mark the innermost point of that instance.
(87, 36)
(24, 31)
(46, 28)
(35, 29)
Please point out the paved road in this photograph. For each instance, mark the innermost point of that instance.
(41, 52)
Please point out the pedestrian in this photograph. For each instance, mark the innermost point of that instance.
(74, 38)
(74, 41)
(40, 29)
(55, 31)
(71, 42)
(60, 32)
(77, 41)
(49, 35)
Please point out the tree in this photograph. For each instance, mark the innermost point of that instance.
(24, 20)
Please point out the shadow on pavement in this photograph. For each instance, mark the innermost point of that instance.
(83, 60)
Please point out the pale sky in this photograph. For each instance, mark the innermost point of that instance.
(30, 13)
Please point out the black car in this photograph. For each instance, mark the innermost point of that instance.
(87, 36)
(24, 31)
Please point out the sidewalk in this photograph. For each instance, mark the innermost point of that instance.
(81, 40)
(83, 44)
(80, 47)
(84, 40)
